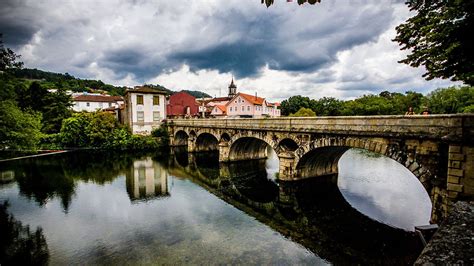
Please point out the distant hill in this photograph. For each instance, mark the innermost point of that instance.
(198, 94)
(53, 80)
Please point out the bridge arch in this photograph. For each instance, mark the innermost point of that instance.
(206, 142)
(224, 137)
(334, 147)
(181, 138)
(248, 148)
(287, 145)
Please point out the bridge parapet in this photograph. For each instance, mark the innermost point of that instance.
(458, 128)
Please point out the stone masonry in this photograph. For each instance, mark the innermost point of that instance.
(437, 149)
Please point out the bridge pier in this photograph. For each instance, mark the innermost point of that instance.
(287, 168)
(192, 144)
(224, 151)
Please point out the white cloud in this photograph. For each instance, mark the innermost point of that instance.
(341, 49)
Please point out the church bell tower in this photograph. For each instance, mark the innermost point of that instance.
(232, 89)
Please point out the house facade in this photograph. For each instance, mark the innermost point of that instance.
(94, 102)
(182, 105)
(219, 111)
(145, 109)
(248, 106)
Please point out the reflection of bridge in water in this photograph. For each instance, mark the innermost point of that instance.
(312, 212)
(437, 149)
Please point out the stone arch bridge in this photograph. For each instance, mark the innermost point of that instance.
(437, 149)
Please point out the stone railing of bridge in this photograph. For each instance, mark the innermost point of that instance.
(437, 149)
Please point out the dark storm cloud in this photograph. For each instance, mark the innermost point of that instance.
(131, 60)
(17, 29)
(242, 59)
(268, 41)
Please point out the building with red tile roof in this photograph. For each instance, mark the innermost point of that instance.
(181, 105)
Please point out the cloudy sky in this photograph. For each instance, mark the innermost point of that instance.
(337, 48)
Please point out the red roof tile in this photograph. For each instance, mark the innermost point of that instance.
(251, 98)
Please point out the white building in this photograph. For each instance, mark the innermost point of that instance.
(93, 102)
(145, 109)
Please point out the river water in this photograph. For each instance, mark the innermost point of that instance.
(178, 208)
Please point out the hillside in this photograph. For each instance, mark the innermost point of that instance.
(53, 80)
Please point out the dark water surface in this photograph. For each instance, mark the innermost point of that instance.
(117, 208)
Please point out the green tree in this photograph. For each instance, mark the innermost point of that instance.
(439, 37)
(303, 112)
(8, 59)
(100, 126)
(73, 131)
(294, 103)
(56, 108)
(327, 106)
(18, 130)
(450, 100)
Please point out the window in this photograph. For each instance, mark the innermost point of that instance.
(139, 99)
(110, 104)
(248, 108)
(88, 104)
(140, 116)
(156, 116)
(243, 108)
(156, 100)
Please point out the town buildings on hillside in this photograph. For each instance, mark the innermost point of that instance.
(145, 108)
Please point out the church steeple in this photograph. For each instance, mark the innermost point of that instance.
(232, 88)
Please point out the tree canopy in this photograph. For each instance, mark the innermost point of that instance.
(304, 112)
(8, 59)
(441, 101)
(439, 37)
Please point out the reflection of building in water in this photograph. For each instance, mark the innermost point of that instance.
(146, 179)
(7, 176)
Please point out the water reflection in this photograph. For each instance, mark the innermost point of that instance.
(146, 180)
(383, 189)
(19, 245)
(312, 212)
(45, 178)
(112, 220)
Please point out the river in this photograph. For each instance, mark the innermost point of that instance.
(179, 208)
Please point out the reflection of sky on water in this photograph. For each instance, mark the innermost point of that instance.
(383, 189)
(272, 164)
(192, 226)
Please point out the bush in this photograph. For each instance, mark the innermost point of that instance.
(50, 142)
(162, 134)
(101, 130)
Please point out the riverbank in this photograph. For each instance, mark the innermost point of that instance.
(453, 243)
(25, 154)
